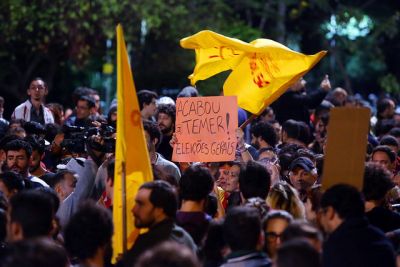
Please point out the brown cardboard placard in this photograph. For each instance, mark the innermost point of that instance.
(346, 147)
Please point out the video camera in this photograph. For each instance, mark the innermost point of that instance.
(75, 138)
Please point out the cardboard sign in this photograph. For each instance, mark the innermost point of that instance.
(346, 147)
(205, 129)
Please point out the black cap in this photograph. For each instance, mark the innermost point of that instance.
(302, 162)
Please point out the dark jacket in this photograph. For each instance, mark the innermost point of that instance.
(296, 105)
(163, 231)
(355, 243)
(384, 219)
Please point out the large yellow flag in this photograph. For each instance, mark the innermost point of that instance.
(132, 163)
(262, 70)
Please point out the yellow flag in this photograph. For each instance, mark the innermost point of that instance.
(262, 70)
(131, 156)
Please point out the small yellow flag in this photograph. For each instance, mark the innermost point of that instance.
(131, 156)
(261, 70)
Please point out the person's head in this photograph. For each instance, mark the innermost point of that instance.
(188, 91)
(58, 112)
(390, 141)
(267, 155)
(154, 202)
(377, 183)
(168, 254)
(96, 97)
(296, 132)
(232, 181)
(299, 85)
(384, 156)
(267, 115)
(242, 229)
(302, 229)
(18, 156)
(298, 253)
(63, 183)
(385, 108)
(153, 135)
(254, 180)
(85, 106)
(302, 174)
(38, 147)
(110, 179)
(263, 135)
(37, 90)
(282, 196)
(11, 183)
(147, 103)
(273, 226)
(89, 232)
(112, 116)
(30, 215)
(338, 97)
(195, 184)
(339, 203)
(166, 114)
(41, 252)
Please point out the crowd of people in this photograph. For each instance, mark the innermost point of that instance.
(265, 208)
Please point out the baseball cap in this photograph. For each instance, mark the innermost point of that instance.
(304, 163)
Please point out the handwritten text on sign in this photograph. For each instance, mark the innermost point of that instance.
(205, 129)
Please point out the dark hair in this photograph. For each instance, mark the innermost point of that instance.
(395, 132)
(80, 91)
(298, 253)
(41, 252)
(89, 100)
(57, 110)
(168, 109)
(266, 131)
(89, 228)
(33, 211)
(345, 200)
(298, 130)
(36, 143)
(254, 180)
(153, 130)
(162, 196)
(242, 228)
(196, 183)
(145, 97)
(377, 182)
(385, 149)
(51, 196)
(214, 243)
(59, 177)
(8, 138)
(301, 229)
(382, 105)
(52, 130)
(276, 214)
(384, 126)
(12, 180)
(389, 140)
(18, 144)
(168, 254)
(305, 152)
(39, 79)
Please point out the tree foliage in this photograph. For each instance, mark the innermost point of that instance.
(66, 41)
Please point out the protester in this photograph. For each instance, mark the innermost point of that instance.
(33, 109)
(166, 121)
(242, 230)
(155, 208)
(147, 104)
(352, 241)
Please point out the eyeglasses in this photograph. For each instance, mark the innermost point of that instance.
(272, 236)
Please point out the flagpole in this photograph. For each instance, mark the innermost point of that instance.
(123, 185)
(244, 124)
